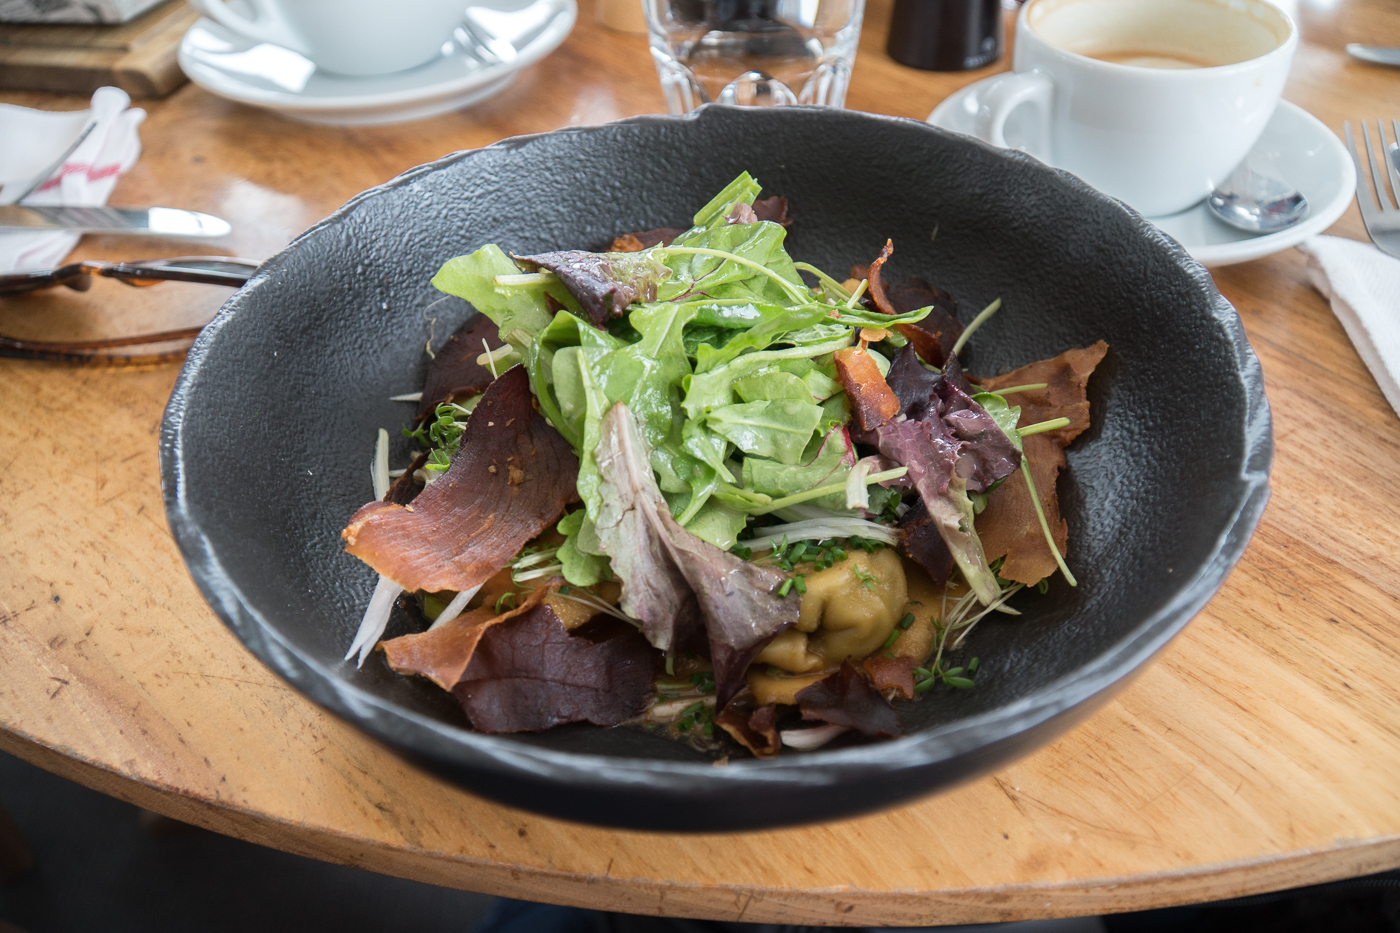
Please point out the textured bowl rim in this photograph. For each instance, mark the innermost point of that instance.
(453, 745)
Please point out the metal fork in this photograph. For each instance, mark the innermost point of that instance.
(1380, 214)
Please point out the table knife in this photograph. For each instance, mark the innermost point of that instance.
(146, 221)
(1375, 54)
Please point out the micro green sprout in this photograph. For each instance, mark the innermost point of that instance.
(866, 578)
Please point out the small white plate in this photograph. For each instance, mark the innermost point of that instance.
(251, 72)
(1295, 147)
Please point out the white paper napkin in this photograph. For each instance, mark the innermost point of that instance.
(30, 141)
(1363, 285)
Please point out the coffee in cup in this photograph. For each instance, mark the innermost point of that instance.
(1154, 102)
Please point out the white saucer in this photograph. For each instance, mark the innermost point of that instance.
(1295, 147)
(264, 75)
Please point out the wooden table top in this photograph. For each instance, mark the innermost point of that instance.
(1259, 751)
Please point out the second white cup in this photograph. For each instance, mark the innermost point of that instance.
(349, 37)
(1154, 102)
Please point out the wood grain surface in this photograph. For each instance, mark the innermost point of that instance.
(1260, 751)
(139, 57)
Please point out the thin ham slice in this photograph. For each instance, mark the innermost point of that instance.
(872, 401)
(442, 654)
(512, 478)
(454, 372)
(756, 730)
(935, 335)
(1009, 526)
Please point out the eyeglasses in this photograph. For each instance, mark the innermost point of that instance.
(209, 270)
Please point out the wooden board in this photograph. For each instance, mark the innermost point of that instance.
(1259, 751)
(139, 57)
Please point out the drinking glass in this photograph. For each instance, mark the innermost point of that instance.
(753, 52)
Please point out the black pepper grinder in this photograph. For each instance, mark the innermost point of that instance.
(946, 35)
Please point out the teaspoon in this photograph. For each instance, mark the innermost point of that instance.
(1257, 203)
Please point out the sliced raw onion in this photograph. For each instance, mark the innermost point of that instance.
(375, 620)
(808, 739)
(379, 466)
(818, 529)
(454, 608)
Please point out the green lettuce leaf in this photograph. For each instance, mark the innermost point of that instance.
(744, 188)
(715, 389)
(1006, 416)
(772, 387)
(777, 430)
(519, 313)
(701, 276)
(580, 567)
(831, 463)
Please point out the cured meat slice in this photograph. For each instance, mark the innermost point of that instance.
(454, 372)
(511, 479)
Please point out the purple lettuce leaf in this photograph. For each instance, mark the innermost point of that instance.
(987, 453)
(931, 453)
(604, 283)
(668, 573)
(914, 386)
(848, 698)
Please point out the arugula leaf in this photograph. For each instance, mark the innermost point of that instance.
(772, 387)
(646, 375)
(831, 463)
(777, 430)
(836, 411)
(714, 389)
(696, 276)
(759, 337)
(821, 385)
(730, 313)
(519, 313)
(718, 524)
(819, 334)
(744, 188)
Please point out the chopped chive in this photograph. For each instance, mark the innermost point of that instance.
(907, 621)
(693, 708)
(709, 730)
(685, 725)
(894, 637)
(840, 554)
(972, 665)
(799, 584)
(798, 551)
(786, 587)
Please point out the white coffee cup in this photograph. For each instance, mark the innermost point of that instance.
(349, 37)
(1154, 102)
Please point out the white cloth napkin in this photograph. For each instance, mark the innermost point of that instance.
(30, 141)
(1363, 285)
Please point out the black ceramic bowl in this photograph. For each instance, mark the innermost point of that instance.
(266, 444)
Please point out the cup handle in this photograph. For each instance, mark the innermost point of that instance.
(267, 24)
(1013, 90)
